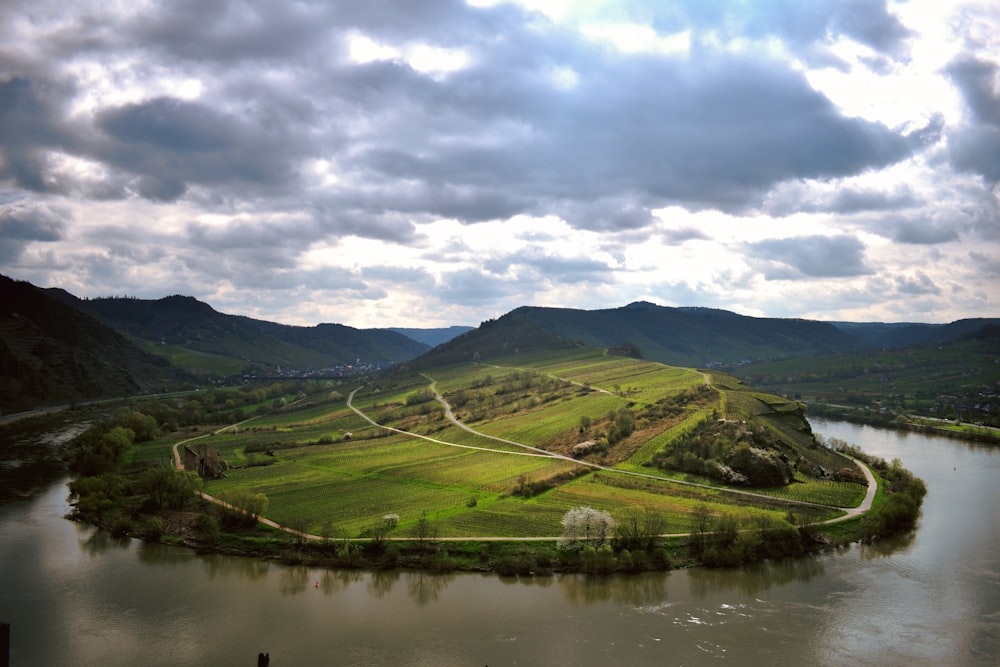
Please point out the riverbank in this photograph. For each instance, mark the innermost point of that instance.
(158, 503)
(912, 423)
(211, 529)
(929, 597)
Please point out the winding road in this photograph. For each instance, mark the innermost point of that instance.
(849, 512)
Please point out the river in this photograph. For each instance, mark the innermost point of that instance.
(75, 596)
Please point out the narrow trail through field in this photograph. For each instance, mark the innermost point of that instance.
(849, 512)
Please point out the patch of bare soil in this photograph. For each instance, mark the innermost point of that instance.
(181, 524)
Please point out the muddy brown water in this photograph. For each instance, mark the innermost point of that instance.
(75, 596)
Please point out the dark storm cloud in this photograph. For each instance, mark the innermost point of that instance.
(32, 115)
(800, 198)
(679, 236)
(537, 266)
(21, 224)
(224, 32)
(493, 140)
(919, 285)
(715, 131)
(851, 200)
(919, 229)
(477, 288)
(610, 214)
(171, 144)
(976, 147)
(809, 257)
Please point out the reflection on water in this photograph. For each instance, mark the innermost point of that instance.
(886, 548)
(293, 580)
(381, 582)
(218, 565)
(78, 596)
(753, 580)
(97, 542)
(635, 591)
(426, 587)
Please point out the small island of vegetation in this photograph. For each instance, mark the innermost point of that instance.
(531, 462)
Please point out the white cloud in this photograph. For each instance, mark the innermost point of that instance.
(387, 164)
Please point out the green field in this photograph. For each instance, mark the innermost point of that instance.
(327, 470)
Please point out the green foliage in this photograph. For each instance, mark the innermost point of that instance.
(420, 397)
(249, 506)
(940, 380)
(731, 452)
(95, 496)
(208, 528)
(350, 483)
(98, 449)
(423, 532)
(166, 488)
(639, 528)
(600, 560)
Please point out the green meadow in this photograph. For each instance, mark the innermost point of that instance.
(327, 470)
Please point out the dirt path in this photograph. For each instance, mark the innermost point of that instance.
(849, 512)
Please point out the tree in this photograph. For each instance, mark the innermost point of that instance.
(701, 520)
(250, 505)
(167, 488)
(98, 449)
(585, 525)
(639, 528)
(423, 531)
(142, 426)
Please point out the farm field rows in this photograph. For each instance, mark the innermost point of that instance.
(326, 470)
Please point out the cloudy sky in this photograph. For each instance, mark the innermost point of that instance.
(425, 163)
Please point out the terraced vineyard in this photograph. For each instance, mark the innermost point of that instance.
(327, 470)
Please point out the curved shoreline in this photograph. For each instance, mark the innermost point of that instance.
(848, 512)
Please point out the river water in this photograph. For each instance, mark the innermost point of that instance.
(75, 596)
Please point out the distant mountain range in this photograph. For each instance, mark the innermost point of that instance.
(679, 336)
(185, 322)
(879, 335)
(56, 347)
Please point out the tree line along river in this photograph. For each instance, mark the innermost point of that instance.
(76, 596)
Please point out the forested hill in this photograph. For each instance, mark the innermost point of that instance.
(185, 322)
(681, 336)
(880, 335)
(52, 353)
(505, 336)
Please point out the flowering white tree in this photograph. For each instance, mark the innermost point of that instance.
(583, 525)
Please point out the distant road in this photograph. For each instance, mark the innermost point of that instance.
(849, 512)
(18, 416)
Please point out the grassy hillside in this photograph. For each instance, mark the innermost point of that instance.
(959, 379)
(681, 336)
(51, 353)
(195, 336)
(546, 431)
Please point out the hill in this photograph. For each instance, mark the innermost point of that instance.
(881, 335)
(954, 379)
(52, 353)
(695, 337)
(197, 336)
